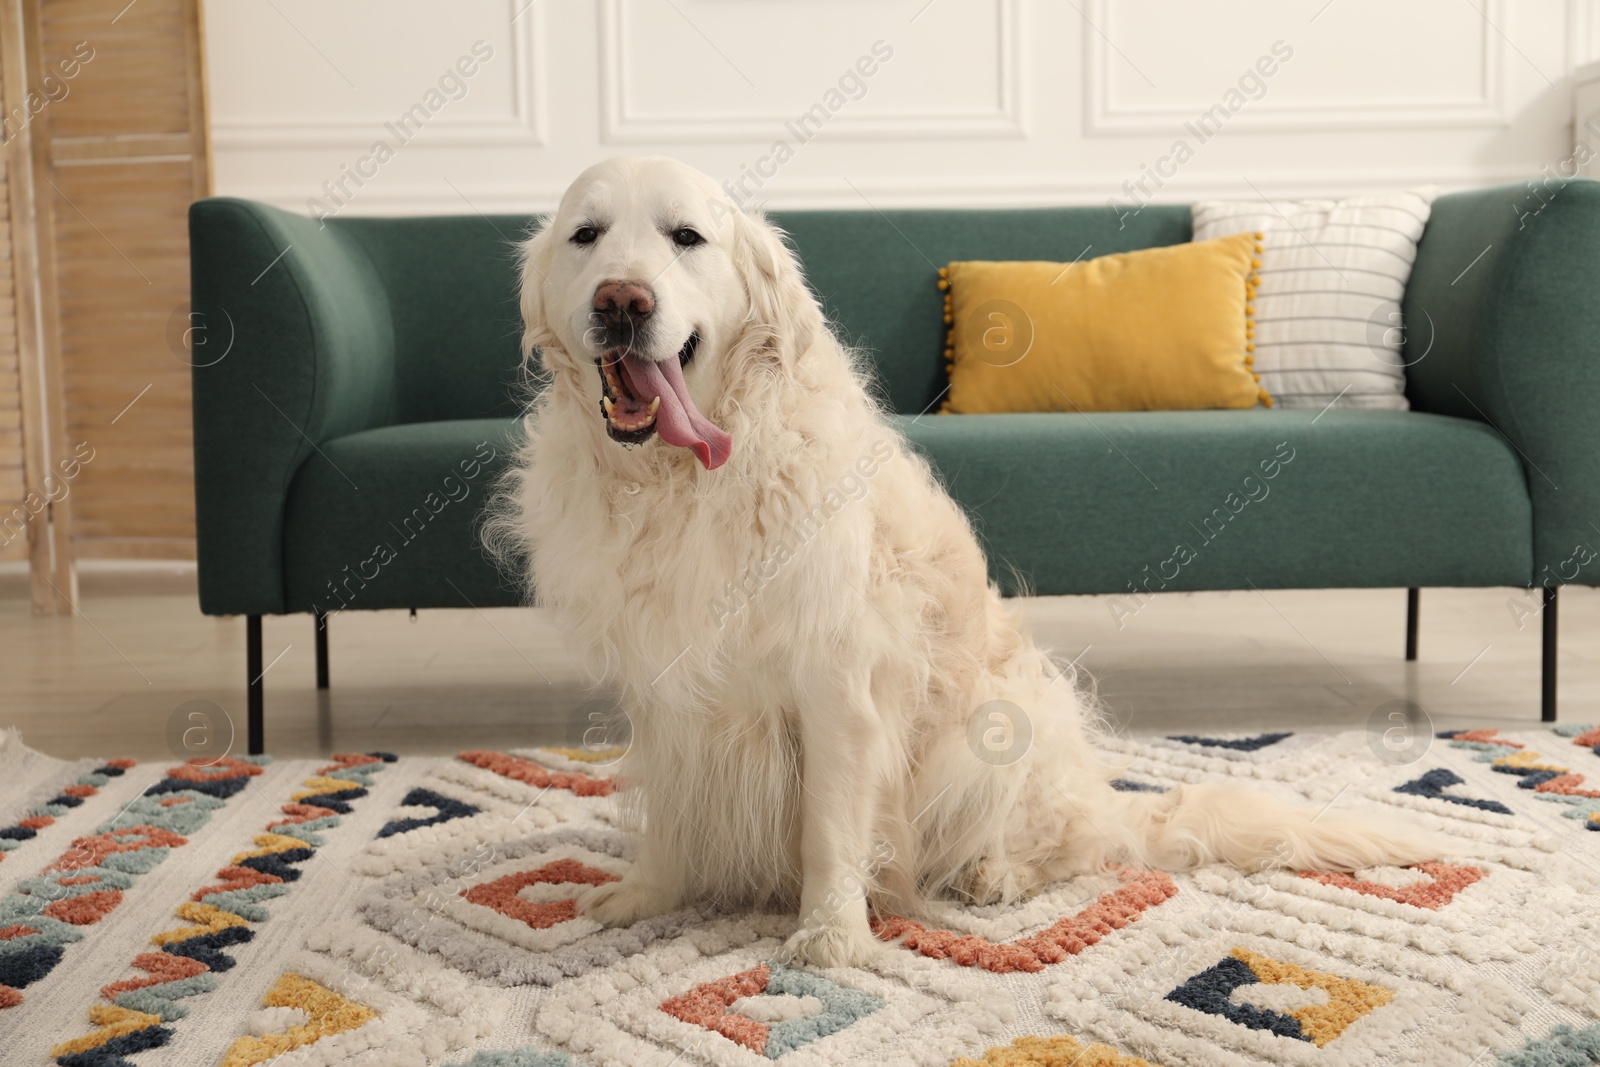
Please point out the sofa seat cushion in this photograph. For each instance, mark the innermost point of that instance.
(390, 518)
(1108, 503)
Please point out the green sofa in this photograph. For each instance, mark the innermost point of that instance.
(355, 396)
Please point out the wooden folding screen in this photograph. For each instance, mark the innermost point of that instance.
(105, 120)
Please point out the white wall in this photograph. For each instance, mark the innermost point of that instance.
(982, 101)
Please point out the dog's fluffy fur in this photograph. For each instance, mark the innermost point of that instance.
(803, 636)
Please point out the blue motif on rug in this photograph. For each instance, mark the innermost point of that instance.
(521, 1057)
(1433, 785)
(1240, 744)
(1128, 785)
(447, 808)
(1565, 1047)
(1209, 991)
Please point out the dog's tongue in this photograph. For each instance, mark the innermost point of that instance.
(678, 421)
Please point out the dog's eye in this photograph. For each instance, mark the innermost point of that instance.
(585, 235)
(684, 237)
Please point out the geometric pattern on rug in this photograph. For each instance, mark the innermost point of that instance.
(1563, 1047)
(431, 921)
(1547, 779)
(88, 881)
(701, 998)
(483, 799)
(1236, 744)
(320, 1012)
(529, 935)
(1343, 1000)
(770, 1009)
(71, 796)
(1474, 911)
(311, 1011)
(1063, 937)
(220, 915)
(1434, 783)
(1281, 757)
(1251, 988)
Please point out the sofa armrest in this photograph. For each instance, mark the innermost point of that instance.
(294, 346)
(1503, 321)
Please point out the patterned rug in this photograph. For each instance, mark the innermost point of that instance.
(375, 910)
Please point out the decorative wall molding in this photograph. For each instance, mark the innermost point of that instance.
(890, 193)
(1053, 132)
(1583, 33)
(618, 126)
(1104, 115)
(524, 125)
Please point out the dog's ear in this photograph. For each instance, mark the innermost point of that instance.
(780, 303)
(535, 254)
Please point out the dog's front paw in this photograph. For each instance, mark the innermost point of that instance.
(999, 882)
(624, 903)
(835, 944)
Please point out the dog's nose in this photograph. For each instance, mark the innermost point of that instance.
(624, 300)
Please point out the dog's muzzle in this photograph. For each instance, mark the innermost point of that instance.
(641, 396)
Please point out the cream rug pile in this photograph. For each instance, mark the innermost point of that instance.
(373, 910)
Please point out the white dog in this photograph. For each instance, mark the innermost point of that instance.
(797, 615)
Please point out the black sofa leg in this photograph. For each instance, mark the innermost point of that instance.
(252, 673)
(1547, 696)
(1413, 596)
(322, 650)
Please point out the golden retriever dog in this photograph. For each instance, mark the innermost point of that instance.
(796, 614)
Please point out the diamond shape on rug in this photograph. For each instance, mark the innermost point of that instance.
(1165, 990)
(674, 1002)
(1432, 885)
(539, 899)
(1344, 1001)
(508, 913)
(724, 1006)
(1475, 912)
(1066, 936)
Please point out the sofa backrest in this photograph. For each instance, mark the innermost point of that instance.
(877, 271)
(452, 288)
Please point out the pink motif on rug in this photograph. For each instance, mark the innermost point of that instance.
(1067, 937)
(707, 1005)
(1446, 882)
(530, 773)
(161, 967)
(501, 894)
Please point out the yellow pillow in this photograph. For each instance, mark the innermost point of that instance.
(1160, 329)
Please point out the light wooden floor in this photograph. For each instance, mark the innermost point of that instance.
(109, 681)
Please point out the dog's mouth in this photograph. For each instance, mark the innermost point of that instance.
(640, 397)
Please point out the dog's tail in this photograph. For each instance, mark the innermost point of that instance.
(1223, 822)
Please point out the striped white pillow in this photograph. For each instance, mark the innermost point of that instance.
(1327, 309)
